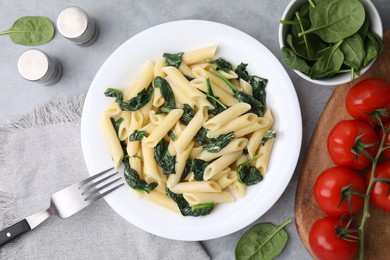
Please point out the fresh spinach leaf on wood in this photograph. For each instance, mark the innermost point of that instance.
(166, 91)
(137, 135)
(116, 124)
(186, 209)
(335, 20)
(294, 61)
(31, 31)
(163, 158)
(134, 181)
(217, 144)
(222, 64)
(262, 241)
(173, 59)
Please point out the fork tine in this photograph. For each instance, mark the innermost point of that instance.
(90, 186)
(94, 191)
(99, 196)
(85, 181)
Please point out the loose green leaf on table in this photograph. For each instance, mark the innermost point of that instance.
(173, 59)
(263, 241)
(31, 31)
(335, 20)
(166, 91)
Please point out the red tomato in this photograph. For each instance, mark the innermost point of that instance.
(379, 191)
(367, 96)
(327, 191)
(342, 138)
(386, 153)
(326, 244)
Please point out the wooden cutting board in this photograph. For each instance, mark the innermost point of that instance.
(317, 160)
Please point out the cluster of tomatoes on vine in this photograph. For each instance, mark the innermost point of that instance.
(357, 147)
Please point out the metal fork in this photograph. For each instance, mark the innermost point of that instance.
(67, 202)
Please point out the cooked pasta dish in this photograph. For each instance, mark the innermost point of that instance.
(192, 131)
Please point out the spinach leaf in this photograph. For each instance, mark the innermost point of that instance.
(353, 50)
(138, 101)
(166, 91)
(256, 106)
(31, 31)
(187, 169)
(163, 110)
(258, 87)
(134, 181)
(172, 135)
(201, 136)
(329, 63)
(218, 105)
(247, 174)
(186, 209)
(297, 44)
(269, 135)
(262, 241)
(188, 114)
(242, 72)
(217, 144)
(335, 20)
(198, 166)
(294, 61)
(222, 64)
(374, 47)
(163, 158)
(173, 59)
(137, 135)
(309, 51)
(364, 29)
(116, 124)
(115, 93)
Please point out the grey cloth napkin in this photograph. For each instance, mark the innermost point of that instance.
(40, 154)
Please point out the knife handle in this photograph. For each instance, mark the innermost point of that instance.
(13, 231)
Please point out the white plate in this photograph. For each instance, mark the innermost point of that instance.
(123, 66)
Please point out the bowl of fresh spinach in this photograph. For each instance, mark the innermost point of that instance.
(330, 42)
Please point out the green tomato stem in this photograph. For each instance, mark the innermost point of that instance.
(366, 213)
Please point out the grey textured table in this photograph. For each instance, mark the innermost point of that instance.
(119, 20)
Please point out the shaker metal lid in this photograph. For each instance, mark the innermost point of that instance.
(33, 64)
(72, 22)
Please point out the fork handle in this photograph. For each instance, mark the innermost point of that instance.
(14, 231)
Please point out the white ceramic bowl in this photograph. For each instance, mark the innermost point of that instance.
(375, 26)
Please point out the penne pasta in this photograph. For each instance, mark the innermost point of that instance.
(220, 164)
(113, 142)
(196, 186)
(207, 197)
(200, 55)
